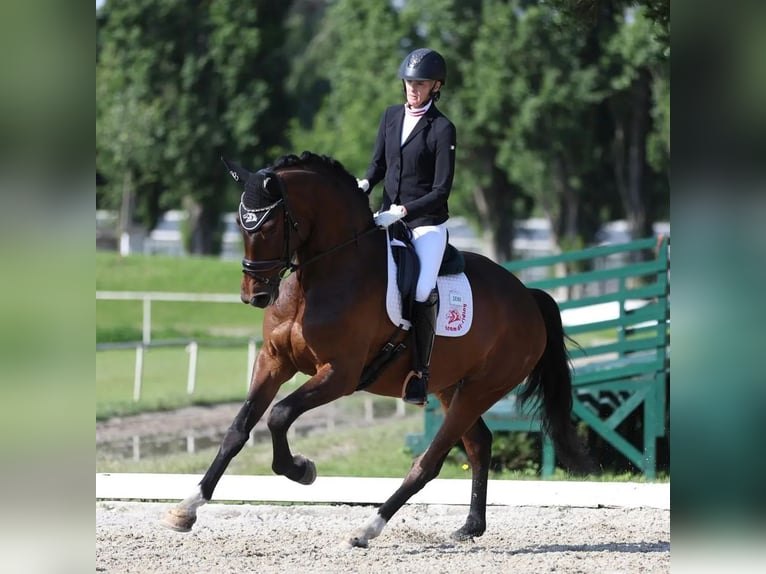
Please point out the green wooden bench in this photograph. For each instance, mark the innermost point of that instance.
(619, 315)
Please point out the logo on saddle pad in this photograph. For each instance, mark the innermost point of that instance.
(455, 302)
(455, 312)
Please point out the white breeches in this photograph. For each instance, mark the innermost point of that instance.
(429, 241)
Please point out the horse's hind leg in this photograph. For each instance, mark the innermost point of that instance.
(459, 418)
(424, 468)
(478, 446)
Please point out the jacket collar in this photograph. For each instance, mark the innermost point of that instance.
(426, 119)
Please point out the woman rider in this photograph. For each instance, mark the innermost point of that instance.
(414, 156)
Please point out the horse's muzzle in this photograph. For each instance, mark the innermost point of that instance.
(260, 300)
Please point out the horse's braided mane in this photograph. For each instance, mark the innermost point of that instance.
(312, 160)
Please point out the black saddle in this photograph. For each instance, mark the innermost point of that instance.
(408, 265)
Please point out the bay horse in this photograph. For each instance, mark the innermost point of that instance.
(305, 218)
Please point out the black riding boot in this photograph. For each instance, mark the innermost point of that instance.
(423, 327)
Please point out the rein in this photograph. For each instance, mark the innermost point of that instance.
(293, 267)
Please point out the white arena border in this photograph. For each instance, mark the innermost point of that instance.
(347, 490)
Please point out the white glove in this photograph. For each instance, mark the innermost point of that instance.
(363, 184)
(386, 218)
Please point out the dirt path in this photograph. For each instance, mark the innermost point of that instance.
(203, 420)
(214, 417)
(307, 539)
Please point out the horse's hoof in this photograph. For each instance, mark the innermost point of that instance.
(461, 536)
(178, 519)
(467, 533)
(310, 472)
(358, 542)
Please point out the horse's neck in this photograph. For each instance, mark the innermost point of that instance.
(345, 247)
(333, 222)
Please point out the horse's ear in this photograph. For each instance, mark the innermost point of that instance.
(236, 171)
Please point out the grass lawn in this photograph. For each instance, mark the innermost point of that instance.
(367, 451)
(221, 377)
(191, 274)
(122, 320)
(221, 371)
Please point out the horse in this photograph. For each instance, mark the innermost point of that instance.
(316, 262)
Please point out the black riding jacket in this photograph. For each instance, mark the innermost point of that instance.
(419, 173)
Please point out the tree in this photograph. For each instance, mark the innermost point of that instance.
(537, 105)
(630, 40)
(589, 13)
(561, 108)
(521, 100)
(639, 106)
(359, 46)
(180, 84)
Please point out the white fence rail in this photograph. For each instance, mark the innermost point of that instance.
(571, 317)
(192, 346)
(148, 296)
(356, 490)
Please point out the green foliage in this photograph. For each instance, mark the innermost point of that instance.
(515, 452)
(221, 377)
(359, 42)
(178, 85)
(562, 108)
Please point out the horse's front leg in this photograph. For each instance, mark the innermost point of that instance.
(328, 384)
(266, 380)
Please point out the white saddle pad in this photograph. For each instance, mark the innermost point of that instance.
(455, 302)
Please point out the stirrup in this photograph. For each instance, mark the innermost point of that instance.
(417, 392)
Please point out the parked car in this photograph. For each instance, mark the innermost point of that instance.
(166, 237)
(619, 231)
(616, 232)
(107, 223)
(231, 247)
(463, 236)
(533, 238)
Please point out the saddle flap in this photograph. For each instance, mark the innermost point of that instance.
(456, 307)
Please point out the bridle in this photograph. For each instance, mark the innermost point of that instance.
(255, 268)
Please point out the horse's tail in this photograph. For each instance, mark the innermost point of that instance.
(551, 382)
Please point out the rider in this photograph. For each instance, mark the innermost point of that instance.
(414, 155)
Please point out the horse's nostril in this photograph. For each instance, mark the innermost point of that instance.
(260, 300)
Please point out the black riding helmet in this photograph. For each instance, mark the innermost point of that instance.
(424, 64)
